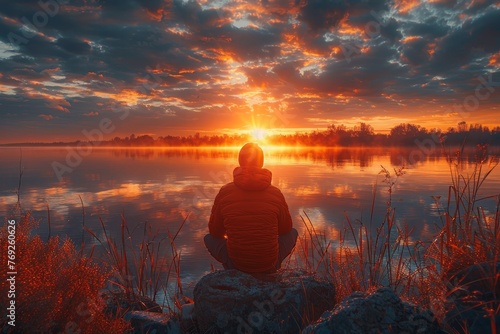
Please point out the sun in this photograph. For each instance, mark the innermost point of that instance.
(258, 134)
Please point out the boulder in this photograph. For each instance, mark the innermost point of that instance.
(187, 319)
(152, 322)
(231, 301)
(379, 312)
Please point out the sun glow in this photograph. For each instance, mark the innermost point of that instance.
(259, 134)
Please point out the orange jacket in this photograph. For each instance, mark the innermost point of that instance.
(251, 213)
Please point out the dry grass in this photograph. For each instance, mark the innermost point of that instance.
(57, 288)
(360, 260)
(469, 237)
(145, 267)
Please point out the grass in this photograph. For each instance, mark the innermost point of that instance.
(427, 274)
(469, 237)
(359, 260)
(56, 286)
(143, 268)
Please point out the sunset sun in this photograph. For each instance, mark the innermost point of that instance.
(259, 134)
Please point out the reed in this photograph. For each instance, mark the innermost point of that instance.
(466, 251)
(360, 260)
(144, 267)
(368, 255)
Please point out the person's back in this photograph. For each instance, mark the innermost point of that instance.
(254, 217)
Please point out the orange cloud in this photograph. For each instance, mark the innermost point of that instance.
(345, 28)
(58, 104)
(410, 39)
(404, 6)
(92, 113)
(494, 60)
(46, 117)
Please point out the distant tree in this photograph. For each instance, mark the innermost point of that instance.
(363, 133)
(462, 127)
(144, 140)
(334, 135)
(338, 135)
(405, 134)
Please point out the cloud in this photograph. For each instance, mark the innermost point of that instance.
(471, 40)
(73, 45)
(179, 65)
(416, 51)
(46, 117)
(321, 15)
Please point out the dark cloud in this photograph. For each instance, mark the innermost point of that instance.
(111, 8)
(151, 5)
(415, 52)
(429, 29)
(189, 64)
(473, 38)
(259, 76)
(73, 45)
(322, 14)
(192, 15)
(390, 29)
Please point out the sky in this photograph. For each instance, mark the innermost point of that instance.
(77, 70)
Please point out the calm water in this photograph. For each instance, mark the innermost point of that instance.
(161, 186)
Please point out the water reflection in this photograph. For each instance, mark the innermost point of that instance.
(164, 186)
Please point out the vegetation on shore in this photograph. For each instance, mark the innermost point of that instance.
(363, 134)
(59, 285)
(423, 273)
(56, 286)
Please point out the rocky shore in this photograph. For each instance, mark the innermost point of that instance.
(289, 301)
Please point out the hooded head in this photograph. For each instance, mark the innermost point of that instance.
(251, 155)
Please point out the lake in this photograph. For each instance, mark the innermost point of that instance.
(162, 185)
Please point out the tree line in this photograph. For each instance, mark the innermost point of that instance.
(363, 134)
(404, 134)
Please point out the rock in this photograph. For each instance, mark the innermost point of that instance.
(188, 319)
(231, 301)
(117, 302)
(187, 312)
(152, 322)
(379, 312)
(473, 291)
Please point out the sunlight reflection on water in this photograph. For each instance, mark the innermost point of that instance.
(161, 185)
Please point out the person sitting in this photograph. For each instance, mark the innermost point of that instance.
(250, 227)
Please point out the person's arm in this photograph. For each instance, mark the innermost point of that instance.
(216, 222)
(284, 220)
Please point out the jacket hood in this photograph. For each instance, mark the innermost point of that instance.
(252, 178)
